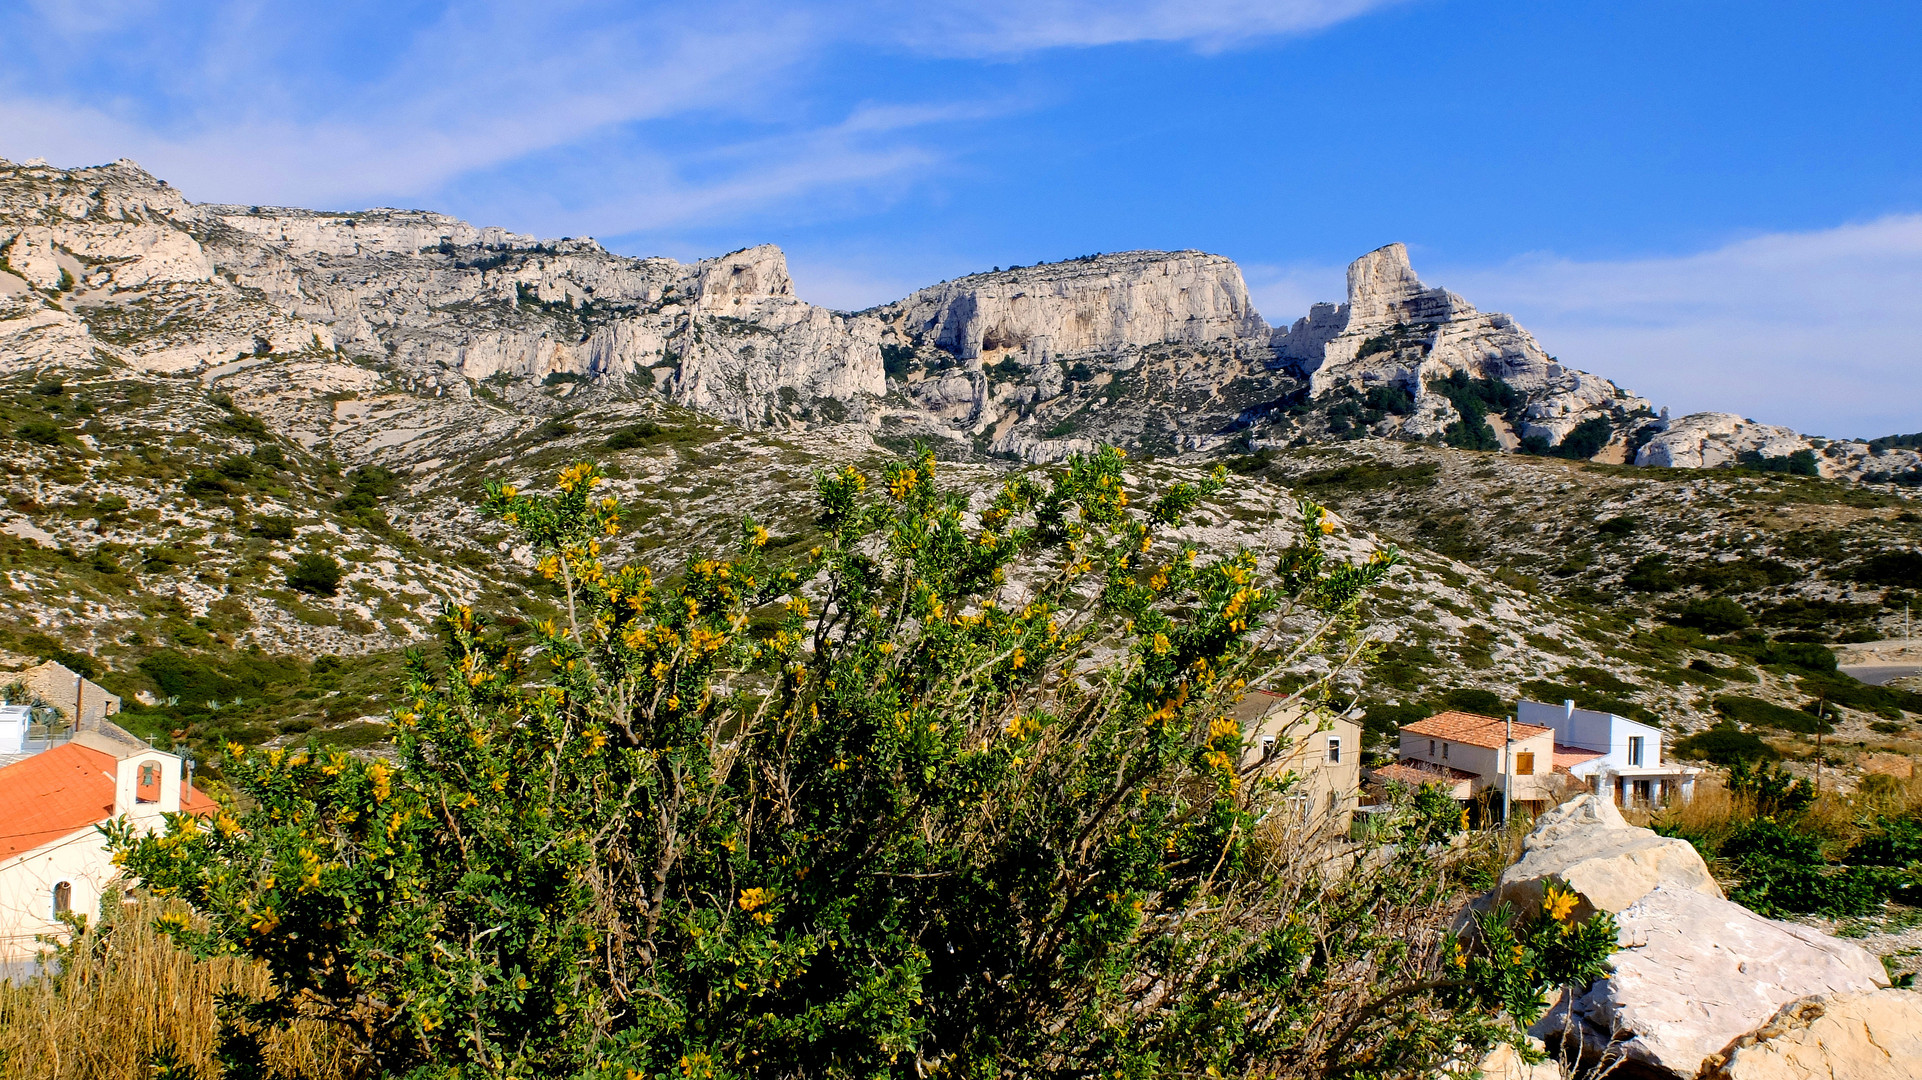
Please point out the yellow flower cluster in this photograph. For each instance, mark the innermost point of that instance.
(754, 902)
(577, 475)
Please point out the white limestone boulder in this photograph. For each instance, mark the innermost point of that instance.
(1870, 1036)
(1695, 973)
(1708, 440)
(1586, 845)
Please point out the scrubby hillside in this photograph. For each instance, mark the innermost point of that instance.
(243, 448)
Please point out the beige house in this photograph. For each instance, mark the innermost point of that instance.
(1474, 754)
(1323, 751)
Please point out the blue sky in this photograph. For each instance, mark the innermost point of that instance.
(1718, 205)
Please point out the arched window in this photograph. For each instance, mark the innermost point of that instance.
(149, 787)
(62, 898)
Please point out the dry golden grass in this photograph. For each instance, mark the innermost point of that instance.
(1835, 815)
(127, 993)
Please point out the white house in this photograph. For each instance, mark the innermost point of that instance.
(1613, 754)
(52, 858)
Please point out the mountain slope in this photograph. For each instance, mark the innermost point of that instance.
(201, 396)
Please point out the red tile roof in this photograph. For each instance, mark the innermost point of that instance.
(1469, 728)
(62, 791)
(1567, 757)
(1418, 773)
(52, 794)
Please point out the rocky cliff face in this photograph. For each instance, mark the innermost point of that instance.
(1091, 306)
(1395, 332)
(1157, 351)
(164, 285)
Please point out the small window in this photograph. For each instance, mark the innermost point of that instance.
(1431, 748)
(62, 898)
(1635, 750)
(1444, 751)
(1525, 763)
(1267, 745)
(1334, 750)
(149, 788)
(1334, 801)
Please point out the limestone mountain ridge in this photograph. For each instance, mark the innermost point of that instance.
(201, 395)
(1156, 351)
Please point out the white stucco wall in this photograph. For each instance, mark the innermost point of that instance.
(26, 889)
(1486, 761)
(1593, 730)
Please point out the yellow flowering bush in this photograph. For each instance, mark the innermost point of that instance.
(971, 801)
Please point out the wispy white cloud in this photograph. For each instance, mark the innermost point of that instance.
(1011, 27)
(345, 104)
(1819, 330)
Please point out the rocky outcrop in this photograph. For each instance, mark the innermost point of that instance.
(1708, 440)
(1100, 304)
(1394, 331)
(1586, 845)
(1868, 1036)
(1696, 972)
(380, 231)
(166, 285)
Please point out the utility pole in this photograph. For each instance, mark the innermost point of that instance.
(1508, 781)
(1821, 714)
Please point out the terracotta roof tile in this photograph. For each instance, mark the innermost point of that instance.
(1420, 772)
(1469, 728)
(61, 791)
(1567, 757)
(51, 794)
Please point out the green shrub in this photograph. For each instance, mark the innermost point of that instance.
(1758, 713)
(1902, 569)
(206, 484)
(1723, 744)
(240, 423)
(271, 527)
(634, 436)
(1799, 463)
(552, 428)
(1783, 871)
(42, 432)
(1650, 574)
(1886, 701)
(368, 486)
(1476, 700)
(1390, 399)
(192, 679)
(1714, 615)
(270, 455)
(315, 573)
(948, 831)
(236, 468)
(1798, 654)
